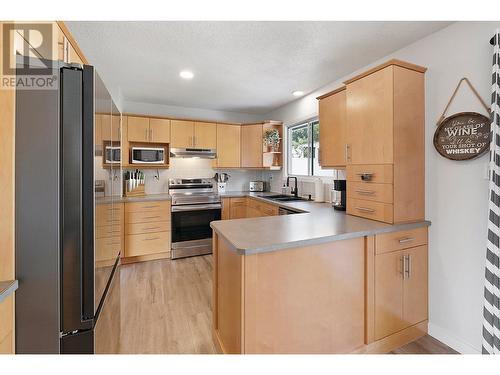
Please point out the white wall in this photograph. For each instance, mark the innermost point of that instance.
(457, 192)
(186, 112)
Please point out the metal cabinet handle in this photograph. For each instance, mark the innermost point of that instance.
(365, 209)
(151, 228)
(408, 266)
(151, 238)
(365, 176)
(402, 259)
(365, 192)
(151, 134)
(154, 206)
(347, 153)
(147, 134)
(151, 217)
(406, 240)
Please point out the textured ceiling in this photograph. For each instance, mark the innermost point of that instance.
(248, 67)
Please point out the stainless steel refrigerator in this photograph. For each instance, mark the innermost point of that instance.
(64, 294)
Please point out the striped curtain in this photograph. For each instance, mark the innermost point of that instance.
(491, 311)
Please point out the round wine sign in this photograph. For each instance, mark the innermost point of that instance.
(463, 136)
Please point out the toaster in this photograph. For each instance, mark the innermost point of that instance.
(256, 186)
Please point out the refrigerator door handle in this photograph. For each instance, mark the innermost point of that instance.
(87, 256)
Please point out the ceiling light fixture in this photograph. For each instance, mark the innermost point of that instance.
(186, 74)
(298, 93)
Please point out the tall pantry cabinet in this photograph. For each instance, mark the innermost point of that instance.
(382, 139)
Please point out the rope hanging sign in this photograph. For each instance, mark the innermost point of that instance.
(464, 135)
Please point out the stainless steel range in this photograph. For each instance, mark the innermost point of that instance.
(195, 204)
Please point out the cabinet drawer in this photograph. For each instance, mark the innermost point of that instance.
(144, 244)
(147, 206)
(253, 203)
(142, 228)
(370, 192)
(370, 210)
(107, 248)
(107, 214)
(238, 202)
(147, 217)
(106, 231)
(377, 173)
(387, 242)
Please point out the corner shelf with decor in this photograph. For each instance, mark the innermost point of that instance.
(272, 145)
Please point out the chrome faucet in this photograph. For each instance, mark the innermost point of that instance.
(293, 191)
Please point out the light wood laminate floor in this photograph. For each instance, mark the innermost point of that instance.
(165, 308)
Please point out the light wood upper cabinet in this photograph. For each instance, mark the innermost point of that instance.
(251, 146)
(182, 133)
(138, 129)
(370, 111)
(159, 130)
(110, 127)
(332, 129)
(205, 135)
(228, 146)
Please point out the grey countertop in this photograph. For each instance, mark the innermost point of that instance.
(7, 288)
(144, 198)
(319, 223)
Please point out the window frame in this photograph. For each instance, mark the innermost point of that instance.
(313, 150)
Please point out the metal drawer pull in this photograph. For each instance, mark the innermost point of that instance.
(406, 240)
(151, 217)
(365, 176)
(365, 209)
(151, 206)
(150, 228)
(151, 238)
(366, 192)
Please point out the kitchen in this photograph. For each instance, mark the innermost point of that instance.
(192, 218)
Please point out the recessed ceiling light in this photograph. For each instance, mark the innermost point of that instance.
(186, 74)
(298, 93)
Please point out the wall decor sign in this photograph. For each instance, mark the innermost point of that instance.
(464, 135)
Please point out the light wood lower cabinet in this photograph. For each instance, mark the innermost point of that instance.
(247, 207)
(400, 282)
(147, 228)
(109, 221)
(6, 326)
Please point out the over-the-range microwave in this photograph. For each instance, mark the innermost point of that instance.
(148, 155)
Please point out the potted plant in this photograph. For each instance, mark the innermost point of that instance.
(272, 139)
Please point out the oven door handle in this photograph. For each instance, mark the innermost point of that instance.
(197, 207)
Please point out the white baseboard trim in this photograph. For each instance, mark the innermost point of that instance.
(453, 342)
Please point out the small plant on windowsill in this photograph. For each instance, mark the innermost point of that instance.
(272, 140)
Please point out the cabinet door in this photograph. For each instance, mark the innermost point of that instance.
(97, 130)
(115, 128)
(238, 210)
(106, 127)
(181, 133)
(369, 105)
(332, 130)
(159, 130)
(388, 294)
(226, 209)
(251, 146)
(415, 286)
(228, 146)
(138, 129)
(205, 135)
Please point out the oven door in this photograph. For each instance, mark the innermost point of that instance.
(191, 232)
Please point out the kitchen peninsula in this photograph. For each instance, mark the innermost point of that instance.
(319, 281)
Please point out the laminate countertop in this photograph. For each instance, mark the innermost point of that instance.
(7, 288)
(143, 198)
(317, 223)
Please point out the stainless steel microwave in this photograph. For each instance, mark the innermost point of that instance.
(113, 154)
(148, 155)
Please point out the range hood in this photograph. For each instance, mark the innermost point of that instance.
(193, 153)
